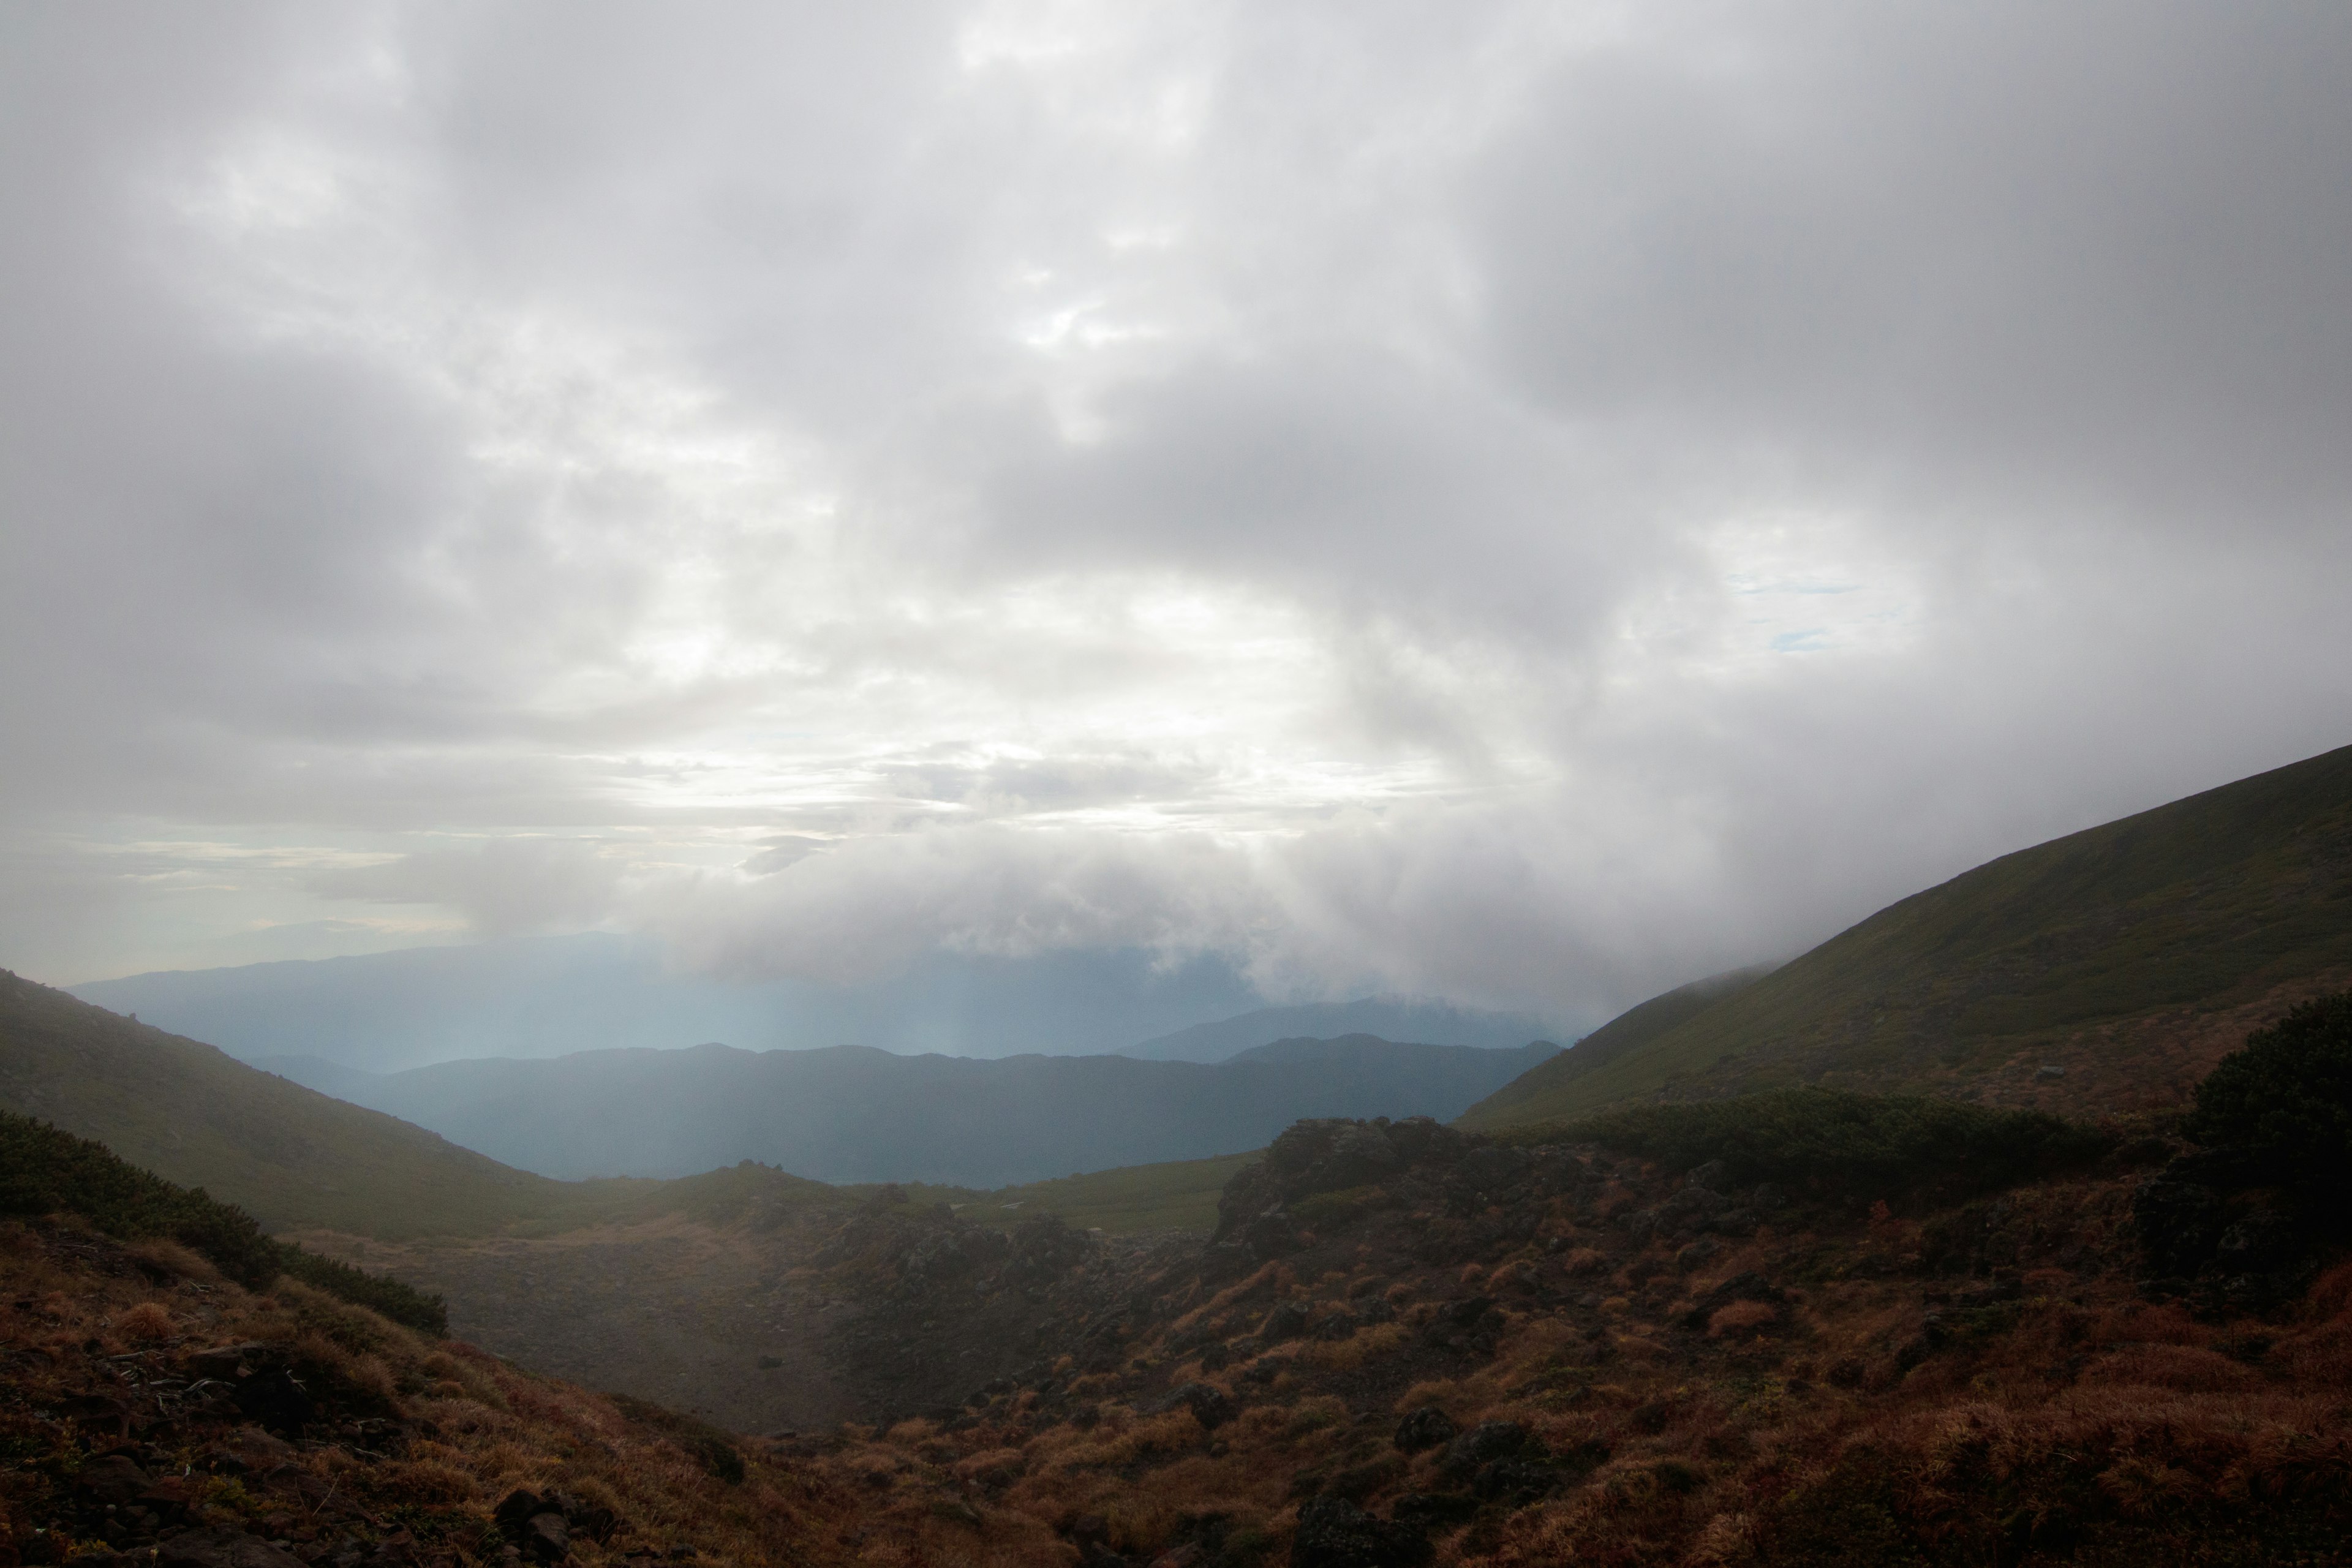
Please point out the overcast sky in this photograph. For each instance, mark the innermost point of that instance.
(1528, 503)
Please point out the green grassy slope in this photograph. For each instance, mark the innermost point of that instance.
(2197, 907)
(1175, 1195)
(292, 1158)
(1624, 1033)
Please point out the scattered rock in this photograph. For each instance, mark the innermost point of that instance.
(1426, 1427)
(1335, 1533)
(1486, 1442)
(1287, 1321)
(222, 1549)
(114, 1480)
(1210, 1406)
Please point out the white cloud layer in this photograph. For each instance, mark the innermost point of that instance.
(1524, 502)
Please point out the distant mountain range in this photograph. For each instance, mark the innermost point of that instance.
(2109, 968)
(1389, 1017)
(850, 1113)
(559, 995)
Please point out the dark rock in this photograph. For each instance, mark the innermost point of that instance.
(2179, 1218)
(1695, 1256)
(546, 1537)
(1270, 1235)
(1516, 1481)
(1425, 1428)
(1486, 1442)
(260, 1380)
(1210, 1406)
(113, 1479)
(1335, 1533)
(515, 1512)
(1338, 1326)
(1287, 1321)
(1432, 1507)
(1487, 1169)
(2263, 1240)
(1735, 1222)
(1710, 1175)
(222, 1549)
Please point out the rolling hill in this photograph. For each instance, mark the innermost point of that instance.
(2108, 968)
(851, 1114)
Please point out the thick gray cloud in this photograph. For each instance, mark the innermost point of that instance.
(1528, 503)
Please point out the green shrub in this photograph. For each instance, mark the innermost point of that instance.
(45, 1171)
(1831, 1140)
(2285, 1097)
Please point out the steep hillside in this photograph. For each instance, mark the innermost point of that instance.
(291, 1157)
(2106, 968)
(853, 1114)
(1626, 1033)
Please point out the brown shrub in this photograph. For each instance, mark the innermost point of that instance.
(2331, 1294)
(1740, 1320)
(147, 1321)
(428, 1481)
(174, 1261)
(2183, 1368)
(2321, 1355)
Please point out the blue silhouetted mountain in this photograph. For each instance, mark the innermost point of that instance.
(850, 1113)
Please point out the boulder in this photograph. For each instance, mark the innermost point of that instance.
(1210, 1406)
(1287, 1321)
(1425, 1428)
(114, 1480)
(1335, 1533)
(1486, 1442)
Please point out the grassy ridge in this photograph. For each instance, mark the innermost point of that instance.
(2204, 904)
(43, 1171)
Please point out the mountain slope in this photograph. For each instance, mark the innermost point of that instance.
(291, 1157)
(1389, 1018)
(1626, 1033)
(2129, 956)
(853, 1114)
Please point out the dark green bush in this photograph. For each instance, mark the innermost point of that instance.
(1831, 1140)
(2285, 1097)
(45, 1171)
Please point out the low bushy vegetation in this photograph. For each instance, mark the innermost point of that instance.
(2285, 1098)
(43, 1171)
(1828, 1141)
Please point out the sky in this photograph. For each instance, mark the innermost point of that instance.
(1529, 504)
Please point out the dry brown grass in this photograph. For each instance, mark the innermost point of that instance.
(147, 1322)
